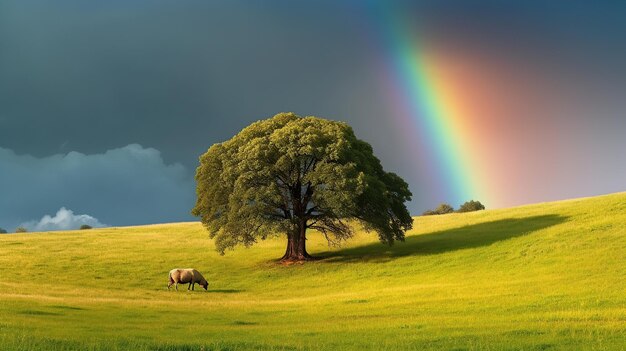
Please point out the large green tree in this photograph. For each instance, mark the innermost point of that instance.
(287, 174)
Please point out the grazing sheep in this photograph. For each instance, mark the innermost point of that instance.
(187, 275)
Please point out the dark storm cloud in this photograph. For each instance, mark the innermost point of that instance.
(179, 76)
(124, 186)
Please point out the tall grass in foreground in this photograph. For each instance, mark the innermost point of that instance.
(539, 277)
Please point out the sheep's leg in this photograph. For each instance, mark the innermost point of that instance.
(193, 286)
(189, 286)
(176, 286)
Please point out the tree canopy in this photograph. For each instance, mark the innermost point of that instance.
(287, 174)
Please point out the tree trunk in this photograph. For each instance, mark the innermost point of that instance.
(296, 246)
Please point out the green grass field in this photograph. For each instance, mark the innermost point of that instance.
(539, 277)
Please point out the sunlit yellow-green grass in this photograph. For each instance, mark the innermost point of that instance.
(546, 276)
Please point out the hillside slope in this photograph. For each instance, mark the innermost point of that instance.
(545, 276)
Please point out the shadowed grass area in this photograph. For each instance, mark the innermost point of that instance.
(470, 236)
(541, 277)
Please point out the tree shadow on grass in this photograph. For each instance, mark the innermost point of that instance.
(475, 235)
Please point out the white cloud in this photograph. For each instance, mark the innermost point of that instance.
(64, 220)
(125, 186)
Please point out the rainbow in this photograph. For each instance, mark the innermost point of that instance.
(424, 105)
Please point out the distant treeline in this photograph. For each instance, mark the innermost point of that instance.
(24, 230)
(444, 208)
(17, 230)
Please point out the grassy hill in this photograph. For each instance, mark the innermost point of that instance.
(539, 277)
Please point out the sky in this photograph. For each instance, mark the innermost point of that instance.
(105, 106)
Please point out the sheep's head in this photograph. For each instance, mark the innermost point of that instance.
(205, 285)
